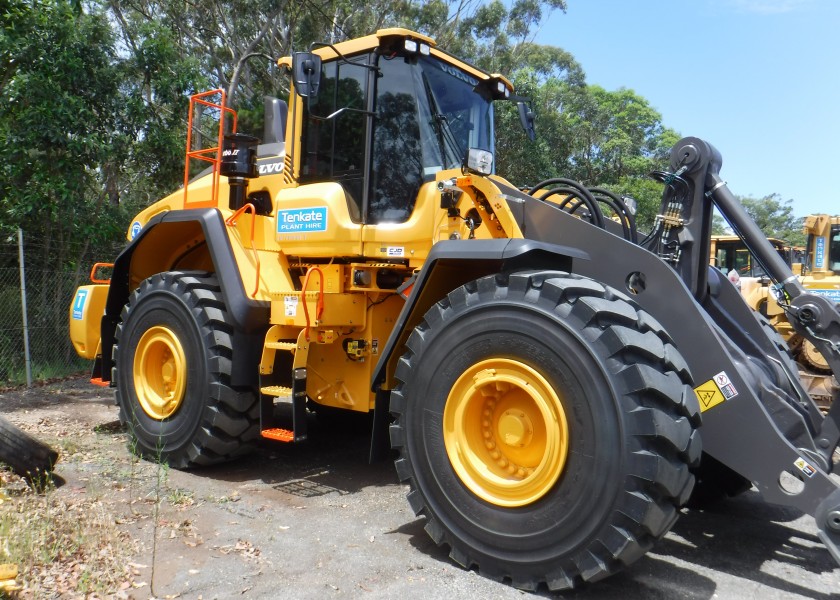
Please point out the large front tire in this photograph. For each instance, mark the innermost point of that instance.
(545, 426)
(172, 358)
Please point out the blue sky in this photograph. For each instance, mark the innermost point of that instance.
(758, 79)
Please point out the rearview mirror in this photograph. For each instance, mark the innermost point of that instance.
(526, 117)
(306, 72)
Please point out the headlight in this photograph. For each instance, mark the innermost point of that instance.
(631, 204)
(479, 161)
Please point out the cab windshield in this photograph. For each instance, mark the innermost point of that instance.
(460, 116)
(423, 116)
(834, 249)
(428, 113)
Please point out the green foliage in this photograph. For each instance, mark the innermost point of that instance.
(94, 96)
(60, 132)
(648, 196)
(719, 226)
(52, 127)
(775, 218)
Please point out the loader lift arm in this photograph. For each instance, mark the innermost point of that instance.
(814, 317)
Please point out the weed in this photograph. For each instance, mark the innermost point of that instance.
(69, 446)
(63, 544)
(180, 497)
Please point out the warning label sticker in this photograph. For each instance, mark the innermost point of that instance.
(709, 395)
(727, 389)
(805, 467)
(290, 303)
(718, 389)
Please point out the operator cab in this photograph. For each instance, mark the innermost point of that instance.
(383, 123)
(729, 252)
(373, 123)
(823, 248)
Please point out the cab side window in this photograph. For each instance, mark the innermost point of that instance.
(834, 249)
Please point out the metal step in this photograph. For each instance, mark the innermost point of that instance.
(288, 346)
(296, 396)
(278, 434)
(278, 391)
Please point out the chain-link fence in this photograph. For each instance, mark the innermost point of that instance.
(40, 337)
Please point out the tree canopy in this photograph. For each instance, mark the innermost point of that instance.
(94, 96)
(775, 218)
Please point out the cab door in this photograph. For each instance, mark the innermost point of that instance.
(323, 215)
(403, 197)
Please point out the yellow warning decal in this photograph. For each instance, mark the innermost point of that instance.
(715, 391)
(709, 395)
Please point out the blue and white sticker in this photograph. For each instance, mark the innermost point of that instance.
(290, 303)
(819, 253)
(302, 220)
(79, 304)
(135, 229)
(833, 295)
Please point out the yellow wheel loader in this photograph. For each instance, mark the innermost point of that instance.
(821, 276)
(540, 368)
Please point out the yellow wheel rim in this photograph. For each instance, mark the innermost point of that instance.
(814, 357)
(505, 432)
(160, 375)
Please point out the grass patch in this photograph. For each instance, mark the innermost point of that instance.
(63, 544)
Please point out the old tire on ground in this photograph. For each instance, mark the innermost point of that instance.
(545, 426)
(27, 456)
(172, 362)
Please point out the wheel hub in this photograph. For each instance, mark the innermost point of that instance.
(505, 432)
(515, 428)
(160, 377)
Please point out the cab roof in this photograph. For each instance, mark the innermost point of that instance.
(390, 37)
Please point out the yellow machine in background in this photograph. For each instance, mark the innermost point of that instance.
(729, 253)
(818, 268)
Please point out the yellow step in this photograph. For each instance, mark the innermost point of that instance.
(278, 391)
(290, 346)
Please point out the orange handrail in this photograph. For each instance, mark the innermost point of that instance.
(231, 221)
(319, 305)
(212, 154)
(97, 266)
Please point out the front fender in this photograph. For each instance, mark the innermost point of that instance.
(453, 263)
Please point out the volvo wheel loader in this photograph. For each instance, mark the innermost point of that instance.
(541, 368)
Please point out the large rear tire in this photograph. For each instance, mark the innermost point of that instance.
(545, 426)
(172, 362)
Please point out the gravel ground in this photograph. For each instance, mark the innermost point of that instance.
(315, 520)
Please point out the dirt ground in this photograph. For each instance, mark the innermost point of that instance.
(315, 520)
